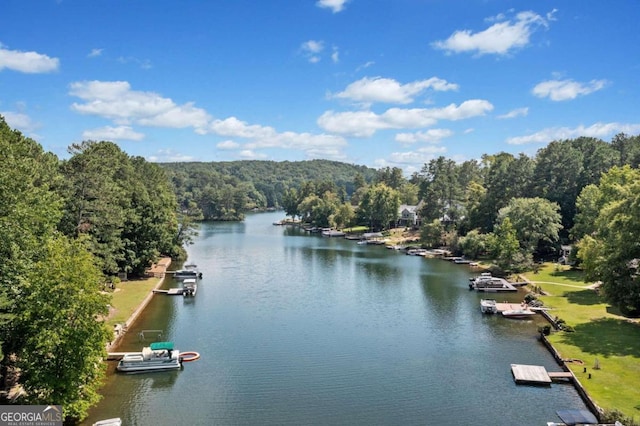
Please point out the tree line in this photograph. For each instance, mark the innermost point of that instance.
(227, 190)
(68, 227)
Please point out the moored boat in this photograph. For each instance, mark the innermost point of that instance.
(189, 287)
(189, 271)
(488, 306)
(155, 357)
(523, 312)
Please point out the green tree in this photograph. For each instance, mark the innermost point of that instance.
(506, 177)
(64, 343)
(97, 200)
(505, 248)
(628, 148)
(290, 203)
(534, 220)
(344, 216)
(473, 244)
(440, 190)
(379, 206)
(29, 212)
(431, 233)
(610, 254)
(392, 177)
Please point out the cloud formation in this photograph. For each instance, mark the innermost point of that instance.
(118, 102)
(378, 89)
(428, 136)
(501, 38)
(335, 5)
(110, 133)
(563, 90)
(311, 49)
(366, 123)
(27, 62)
(596, 130)
(115, 100)
(518, 112)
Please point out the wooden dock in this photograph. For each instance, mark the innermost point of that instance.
(115, 356)
(530, 374)
(538, 375)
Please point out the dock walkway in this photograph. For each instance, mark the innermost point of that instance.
(538, 375)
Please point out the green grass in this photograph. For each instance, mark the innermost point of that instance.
(127, 297)
(356, 229)
(601, 333)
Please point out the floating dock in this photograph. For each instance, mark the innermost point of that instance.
(538, 375)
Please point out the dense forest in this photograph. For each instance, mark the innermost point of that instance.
(69, 228)
(226, 190)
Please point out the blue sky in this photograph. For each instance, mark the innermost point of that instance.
(371, 82)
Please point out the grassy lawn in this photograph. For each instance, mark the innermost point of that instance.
(601, 333)
(127, 297)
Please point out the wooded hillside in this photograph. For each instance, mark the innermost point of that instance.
(225, 190)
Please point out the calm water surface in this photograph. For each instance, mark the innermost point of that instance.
(299, 329)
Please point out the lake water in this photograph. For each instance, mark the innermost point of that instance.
(297, 329)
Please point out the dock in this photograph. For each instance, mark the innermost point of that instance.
(115, 356)
(171, 292)
(538, 375)
(494, 285)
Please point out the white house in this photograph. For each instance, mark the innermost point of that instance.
(409, 215)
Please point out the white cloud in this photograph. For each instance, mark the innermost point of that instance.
(261, 137)
(228, 144)
(411, 159)
(169, 156)
(518, 112)
(248, 154)
(500, 38)
(311, 50)
(335, 56)
(365, 65)
(115, 100)
(20, 121)
(335, 5)
(366, 123)
(562, 90)
(597, 130)
(142, 63)
(234, 127)
(313, 46)
(430, 136)
(378, 89)
(95, 53)
(113, 134)
(27, 62)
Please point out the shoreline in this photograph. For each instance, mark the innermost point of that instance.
(157, 271)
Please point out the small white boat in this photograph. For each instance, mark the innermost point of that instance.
(488, 306)
(189, 271)
(116, 421)
(155, 357)
(189, 287)
(522, 312)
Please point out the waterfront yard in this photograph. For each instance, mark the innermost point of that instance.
(607, 342)
(127, 297)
